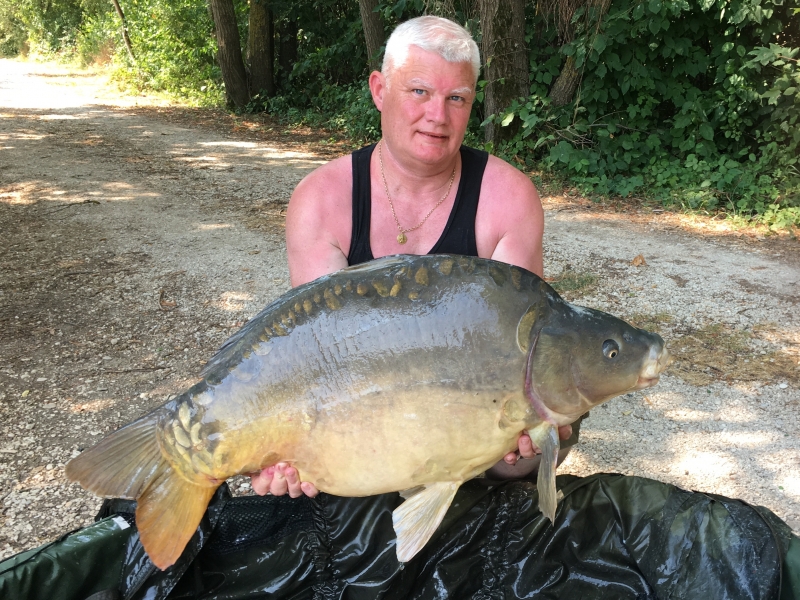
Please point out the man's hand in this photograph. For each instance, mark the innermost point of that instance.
(280, 479)
(527, 449)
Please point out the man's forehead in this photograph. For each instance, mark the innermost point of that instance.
(430, 66)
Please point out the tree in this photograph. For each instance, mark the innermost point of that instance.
(229, 53)
(567, 82)
(373, 31)
(505, 58)
(287, 47)
(125, 37)
(261, 49)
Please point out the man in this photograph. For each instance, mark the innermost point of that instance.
(418, 191)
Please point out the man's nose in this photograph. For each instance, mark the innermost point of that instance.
(437, 110)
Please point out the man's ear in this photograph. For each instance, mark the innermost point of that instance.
(377, 86)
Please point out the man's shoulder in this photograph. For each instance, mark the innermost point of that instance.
(338, 172)
(506, 183)
(327, 185)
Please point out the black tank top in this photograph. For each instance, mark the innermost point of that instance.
(458, 236)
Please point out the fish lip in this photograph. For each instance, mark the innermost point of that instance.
(544, 413)
(646, 382)
(657, 363)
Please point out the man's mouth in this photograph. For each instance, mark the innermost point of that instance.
(434, 136)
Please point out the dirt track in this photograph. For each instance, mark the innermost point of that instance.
(137, 236)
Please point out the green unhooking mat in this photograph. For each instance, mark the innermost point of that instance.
(615, 537)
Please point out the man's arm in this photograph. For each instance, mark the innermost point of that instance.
(318, 225)
(510, 220)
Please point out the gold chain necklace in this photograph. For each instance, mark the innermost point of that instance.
(401, 238)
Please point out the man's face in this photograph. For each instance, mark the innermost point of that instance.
(425, 106)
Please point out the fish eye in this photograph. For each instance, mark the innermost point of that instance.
(610, 349)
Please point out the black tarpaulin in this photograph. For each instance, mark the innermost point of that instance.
(615, 537)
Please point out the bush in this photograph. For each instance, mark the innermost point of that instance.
(682, 101)
(174, 48)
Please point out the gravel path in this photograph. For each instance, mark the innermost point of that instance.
(138, 236)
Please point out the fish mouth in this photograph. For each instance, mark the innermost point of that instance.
(658, 360)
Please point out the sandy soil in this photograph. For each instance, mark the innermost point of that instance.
(137, 236)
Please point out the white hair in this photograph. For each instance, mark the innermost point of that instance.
(433, 34)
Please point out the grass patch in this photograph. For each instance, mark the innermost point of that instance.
(654, 323)
(572, 284)
(721, 353)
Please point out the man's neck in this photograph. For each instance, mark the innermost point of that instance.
(414, 177)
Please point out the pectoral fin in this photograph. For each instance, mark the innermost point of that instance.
(546, 437)
(417, 518)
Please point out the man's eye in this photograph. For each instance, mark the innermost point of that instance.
(457, 98)
(418, 91)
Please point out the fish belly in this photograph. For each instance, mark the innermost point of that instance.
(379, 444)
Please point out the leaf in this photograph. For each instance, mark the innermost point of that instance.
(654, 26)
(599, 43)
(654, 6)
(507, 120)
(639, 261)
(707, 131)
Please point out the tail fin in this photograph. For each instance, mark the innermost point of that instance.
(129, 464)
(168, 513)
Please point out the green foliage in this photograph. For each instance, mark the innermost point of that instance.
(685, 101)
(331, 52)
(174, 48)
(98, 39)
(43, 26)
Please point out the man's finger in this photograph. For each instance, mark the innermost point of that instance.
(565, 432)
(511, 458)
(527, 449)
(293, 483)
(309, 489)
(261, 481)
(279, 486)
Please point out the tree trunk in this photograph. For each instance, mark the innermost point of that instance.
(287, 48)
(506, 60)
(373, 32)
(260, 49)
(229, 53)
(567, 82)
(125, 37)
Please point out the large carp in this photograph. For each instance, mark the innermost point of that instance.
(406, 372)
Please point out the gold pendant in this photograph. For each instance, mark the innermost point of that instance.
(402, 238)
